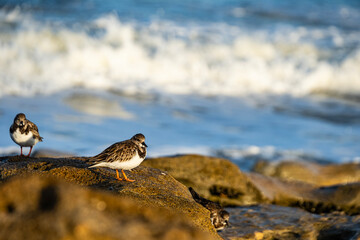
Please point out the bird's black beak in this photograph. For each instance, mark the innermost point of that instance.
(21, 124)
(144, 144)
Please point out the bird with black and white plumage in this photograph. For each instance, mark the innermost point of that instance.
(218, 216)
(24, 133)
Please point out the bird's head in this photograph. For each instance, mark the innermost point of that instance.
(139, 139)
(20, 120)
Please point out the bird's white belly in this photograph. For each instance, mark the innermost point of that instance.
(127, 165)
(24, 140)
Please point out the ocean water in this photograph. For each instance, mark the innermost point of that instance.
(244, 80)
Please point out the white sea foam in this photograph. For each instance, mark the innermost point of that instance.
(42, 58)
(269, 153)
(171, 150)
(247, 156)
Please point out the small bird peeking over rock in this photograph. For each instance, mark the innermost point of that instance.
(218, 216)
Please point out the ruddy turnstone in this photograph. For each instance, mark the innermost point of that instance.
(218, 216)
(124, 155)
(24, 133)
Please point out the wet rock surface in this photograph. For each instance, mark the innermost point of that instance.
(343, 197)
(152, 188)
(276, 222)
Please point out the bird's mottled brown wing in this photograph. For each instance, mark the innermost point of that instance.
(120, 151)
(32, 126)
(12, 128)
(34, 129)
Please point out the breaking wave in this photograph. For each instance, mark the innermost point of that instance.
(164, 57)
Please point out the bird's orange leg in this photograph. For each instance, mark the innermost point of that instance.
(29, 152)
(125, 177)
(21, 154)
(117, 175)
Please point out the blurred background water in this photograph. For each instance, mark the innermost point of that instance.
(237, 79)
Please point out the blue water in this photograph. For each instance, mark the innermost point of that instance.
(238, 79)
(325, 13)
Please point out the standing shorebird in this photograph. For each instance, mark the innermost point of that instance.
(24, 133)
(124, 155)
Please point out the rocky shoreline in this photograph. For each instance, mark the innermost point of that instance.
(65, 199)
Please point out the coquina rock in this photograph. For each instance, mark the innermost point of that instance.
(38, 207)
(216, 179)
(153, 189)
(310, 172)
